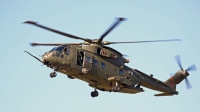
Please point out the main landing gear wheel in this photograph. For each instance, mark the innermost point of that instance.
(53, 74)
(115, 88)
(94, 93)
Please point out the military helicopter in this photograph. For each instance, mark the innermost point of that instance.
(102, 67)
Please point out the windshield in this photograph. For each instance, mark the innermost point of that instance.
(59, 49)
(52, 49)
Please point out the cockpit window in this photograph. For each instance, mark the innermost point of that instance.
(52, 49)
(59, 49)
(66, 50)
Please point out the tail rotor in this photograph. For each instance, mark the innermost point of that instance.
(191, 68)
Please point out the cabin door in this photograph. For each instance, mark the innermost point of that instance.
(77, 59)
(88, 60)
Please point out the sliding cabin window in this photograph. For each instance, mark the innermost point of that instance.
(95, 62)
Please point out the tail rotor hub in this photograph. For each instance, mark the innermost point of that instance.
(185, 73)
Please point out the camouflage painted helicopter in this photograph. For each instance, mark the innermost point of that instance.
(104, 67)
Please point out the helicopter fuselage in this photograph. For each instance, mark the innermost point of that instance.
(103, 67)
(101, 72)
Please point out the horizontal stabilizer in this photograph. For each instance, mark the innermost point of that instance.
(165, 94)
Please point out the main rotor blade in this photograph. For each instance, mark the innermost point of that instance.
(108, 43)
(178, 60)
(110, 29)
(192, 68)
(188, 85)
(54, 44)
(58, 32)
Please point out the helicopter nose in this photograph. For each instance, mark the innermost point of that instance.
(46, 58)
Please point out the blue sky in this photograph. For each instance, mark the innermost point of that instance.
(25, 85)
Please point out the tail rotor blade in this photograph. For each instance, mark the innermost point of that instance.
(178, 60)
(188, 86)
(192, 68)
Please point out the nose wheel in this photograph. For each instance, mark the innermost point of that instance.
(53, 74)
(94, 93)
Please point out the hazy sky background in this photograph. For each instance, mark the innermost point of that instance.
(25, 85)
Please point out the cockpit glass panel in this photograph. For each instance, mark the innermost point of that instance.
(60, 49)
(52, 49)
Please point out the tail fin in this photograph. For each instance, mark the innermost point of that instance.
(174, 80)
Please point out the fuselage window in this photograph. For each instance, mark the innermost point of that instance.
(103, 65)
(120, 72)
(95, 63)
(87, 59)
(98, 50)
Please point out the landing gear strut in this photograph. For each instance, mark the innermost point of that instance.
(116, 88)
(138, 85)
(53, 74)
